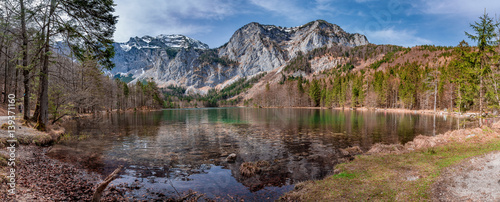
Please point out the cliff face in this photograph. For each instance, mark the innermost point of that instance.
(265, 47)
(254, 48)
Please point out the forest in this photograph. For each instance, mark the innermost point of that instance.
(52, 57)
(459, 79)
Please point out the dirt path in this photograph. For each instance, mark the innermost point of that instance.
(477, 179)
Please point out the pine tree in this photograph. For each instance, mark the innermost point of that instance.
(484, 34)
(299, 85)
(462, 74)
(315, 92)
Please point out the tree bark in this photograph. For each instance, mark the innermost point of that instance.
(44, 77)
(16, 82)
(26, 72)
(6, 75)
(495, 87)
(435, 96)
(480, 100)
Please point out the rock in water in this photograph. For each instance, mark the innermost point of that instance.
(231, 158)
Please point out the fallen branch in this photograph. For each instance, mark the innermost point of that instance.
(102, 186)
(57, 119)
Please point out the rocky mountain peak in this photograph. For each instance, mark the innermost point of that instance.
(162, 41)
(260, 47)
(254, 48)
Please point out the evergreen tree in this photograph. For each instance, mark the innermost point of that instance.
(380, 86)
(484, 34)
(315, 92)
(299, 85)
(460, 73)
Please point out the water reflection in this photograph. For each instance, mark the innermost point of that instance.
(171, 151)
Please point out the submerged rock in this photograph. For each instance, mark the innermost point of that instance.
(231, 158)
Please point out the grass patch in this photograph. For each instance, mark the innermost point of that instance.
(3, 160)
(393, 177)
(5, 126)
(345, 175)
(68, 137)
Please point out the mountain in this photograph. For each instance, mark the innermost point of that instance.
(254, 48)
(265, 47)
(139, 53)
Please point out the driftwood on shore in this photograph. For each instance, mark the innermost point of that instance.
(102, 186)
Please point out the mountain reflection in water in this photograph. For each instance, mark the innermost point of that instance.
(171, 151)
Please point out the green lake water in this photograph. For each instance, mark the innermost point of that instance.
(172, 151)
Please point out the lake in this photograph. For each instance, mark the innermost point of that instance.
(168, 152)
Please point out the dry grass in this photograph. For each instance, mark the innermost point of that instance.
(248, 169)
(496, 126)
(5, 126)
(262, 164)
(26, 134)
(405, 175)
(476, 135)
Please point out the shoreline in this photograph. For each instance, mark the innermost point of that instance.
(33, 145)
(41, 178)
(391, 110)
(413, 171)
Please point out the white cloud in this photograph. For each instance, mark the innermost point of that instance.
(396, 37)
(463, 8)
(288, 9)
(153, 17)
(298, 11)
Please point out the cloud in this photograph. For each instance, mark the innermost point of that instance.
(463, 8)
(153, 17)
(288, 9)
(396, 37)
(298, 11)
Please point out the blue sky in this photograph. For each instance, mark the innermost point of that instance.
(398, 22)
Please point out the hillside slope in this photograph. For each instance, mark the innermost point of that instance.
(362, 76)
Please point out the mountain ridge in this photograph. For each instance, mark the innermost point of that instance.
(252, 49)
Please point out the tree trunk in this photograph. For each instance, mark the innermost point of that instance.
(26, 71)
(36, 114)
(6, 76)
(495, 87)
(15, 82)
(5, 73)
(451, 98)
(44, 78)
(480, 100)
(480, 95)
(460, 99)
(435, 96)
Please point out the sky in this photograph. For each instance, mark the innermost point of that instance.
(398, 22)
